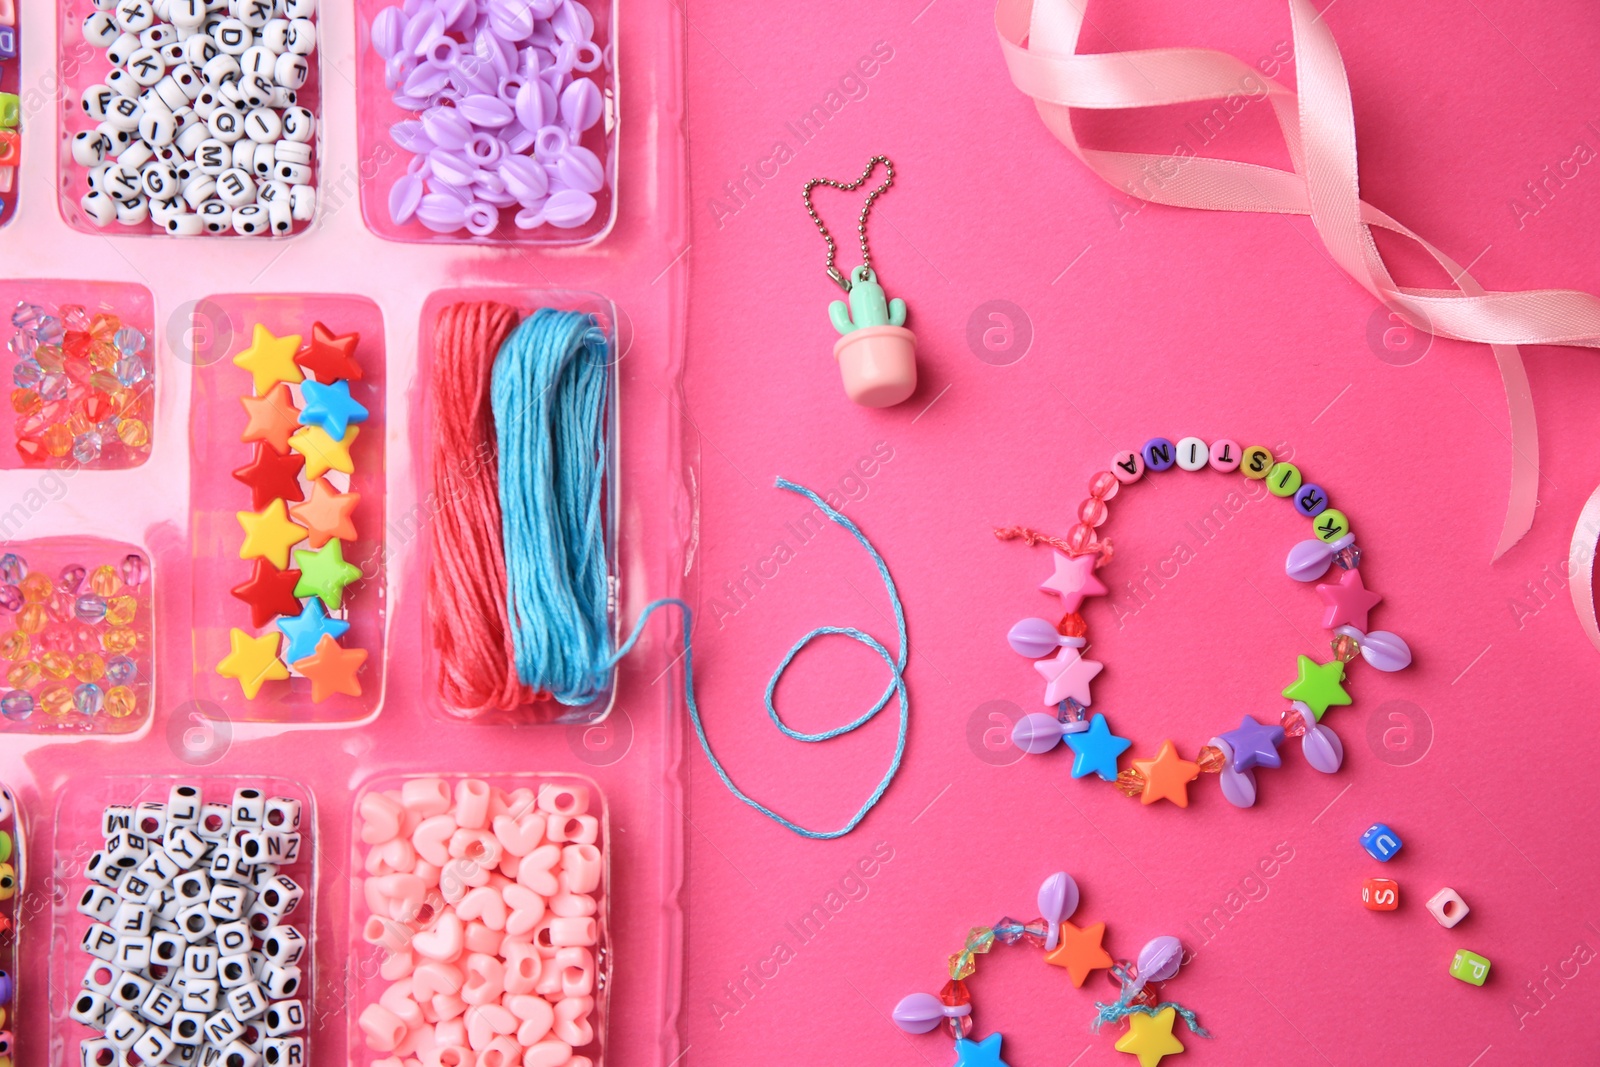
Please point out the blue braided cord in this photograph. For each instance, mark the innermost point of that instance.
(1110, 1013)
(895, 688)
(548, 394)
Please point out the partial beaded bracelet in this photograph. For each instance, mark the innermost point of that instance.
(1235, 754)
(1081, 952)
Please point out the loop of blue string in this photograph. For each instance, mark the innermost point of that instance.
(896, 687)
(1110, 1013)
(548, 394)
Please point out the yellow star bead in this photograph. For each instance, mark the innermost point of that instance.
(269, 534)
(1150, 1037)
(322, 452)
(252, 661)
(270, 359)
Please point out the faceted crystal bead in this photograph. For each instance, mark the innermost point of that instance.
(25, 401)
(86, 637)
(129, 341)
(75, 344)
(120, 702)
(104, 325)
(32, 618)
(1072, 625)
(1211, 759)
(17, 705)
(1294, 724)
(70, 578)
(1104, 485)
(104, 381)
(75, 317)
(135, 570)
(1080, 539)
(1130, 782)
(962, 964)
(86, 447)
(1036, 932)
(26, 374)
(133, 432)
(50, 330)
(25, 316)
(1348, 558)
(1345, 648)
(1071, 711)
(954, 994)
(104, 581)
(14, 645)
(88, 699)
(1008, 930)
(129, 370)
(1107, 551)
(57, 440)
(53, 386)
(12, 568)
(120, 641)
(1093, 512)
(103, 355)
(980, 939)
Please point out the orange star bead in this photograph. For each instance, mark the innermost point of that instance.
(1167, 777)
(1080, 951)
(332, 669)
(327, 514)
(273, 418)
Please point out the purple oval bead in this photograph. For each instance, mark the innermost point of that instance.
(486, 111)
(1386, 651)
(1058, 898)
(1036, 733)
(442, 52)
(563, 57)
(529, 218)
(474, 75)
(569, 208)
(1034, 638)
(446, 127)
(414, 103)
(1160, 959)
(1238, 787)
(919, 1013)
(524, 179)
(426, 82)
(388, 32)
(491, 190)
(452, 168)
(404, 196)
(421, 29)
(530, 106)
(443, 214)
(572, 22)
(394, 74)
(1322, 748)
(1308, 561)
(457, 14)
(511, 20)
(72, 576)
(579, 168)
(517, 140)
(459, 193)
(410, 136)
(581, 104)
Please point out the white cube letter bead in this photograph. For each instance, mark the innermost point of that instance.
(1447, 906)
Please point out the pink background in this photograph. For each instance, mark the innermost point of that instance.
(1147, 322)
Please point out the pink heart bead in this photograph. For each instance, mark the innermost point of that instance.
(550, 1052)
(384, 1031)
(451, 1034)
(380, 818)
(537, 1015)
(535, 870)
(572, 905)
(572, 1021)
(527, 909)
(432, 837)
(426, 797)
(448, 1006)
(397, 998)
(444, 942)
(501, 1052)
(485, 1022)
(486, 905)
(397, 965)
(524, 966)
(576, 966)
(480, 938)
(519, 836)
(432, 978)
(485, 980)
(475, 846)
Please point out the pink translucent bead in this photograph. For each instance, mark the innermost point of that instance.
(1104, 485)
(1093, 511)
(1080, 538)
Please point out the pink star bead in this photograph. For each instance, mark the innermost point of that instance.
(1074, 579)
(1067, 674)
(1348, 602)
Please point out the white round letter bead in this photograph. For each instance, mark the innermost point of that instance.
(99, 208)
(1192, 453)
(250, 220)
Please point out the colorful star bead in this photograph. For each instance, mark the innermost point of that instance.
(272, 475)
(332, 670)
(329, 356)
(1095, 750)
(330, 407)
(1254, 745)
(1080, 951)
(1319, 685)
(324, 453)
(269, 592)
(301, 633)
(1348, 601)
(985, 1053)
(270, 359)
(1150, 1037)
(252, 661)
(1067, 675)
(268, 534)
(1074, 579)
(272, 417)
(1167, 777)
(324, 573)
(327, 514)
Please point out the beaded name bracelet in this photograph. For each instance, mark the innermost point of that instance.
(1080, 951)
(1235, 754)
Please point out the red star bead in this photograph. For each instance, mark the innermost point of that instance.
(271, 476)
(330, 357)
(269, 592)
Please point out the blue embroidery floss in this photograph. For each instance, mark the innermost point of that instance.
(548, 392)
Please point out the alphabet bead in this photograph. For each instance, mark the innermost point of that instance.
(1256, 461)
(1381, 842)
(1225, 456)
(1447, 907)
(1469, 967)
(1380, 894)
(1191, 453)
(1283, 479)
(1158, 453)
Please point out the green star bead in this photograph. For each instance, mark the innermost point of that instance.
(1318, 686)
(324, 573)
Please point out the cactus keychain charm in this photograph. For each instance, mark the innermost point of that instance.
(877, 355)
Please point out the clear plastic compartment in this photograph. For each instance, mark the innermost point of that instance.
(83, 384)
(11, 110)
(384, 162)
(525, 301)
(226, 326)
(525, 809)
(78, 651)
(80, 833)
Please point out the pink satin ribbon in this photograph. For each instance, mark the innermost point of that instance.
(1040, 42)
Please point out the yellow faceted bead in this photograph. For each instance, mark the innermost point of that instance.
(120, 642)
(123, 401)
(88, 667)
(104, 381)
(36, 588)
(57, 440)
(55, 700)
(15, 645)
(134, 433)
(32, 618)
(1283, 479)
(104, 326)
(1255, 461)
(103, 354)
(1330, 525)
(121, 702)
(103, 581)
(121, 609)
(50, 357)
(56, 664)
(79, 423)
(25, 401)
(22, 675)
(962, 966)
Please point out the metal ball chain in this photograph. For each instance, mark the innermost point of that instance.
(861, 222)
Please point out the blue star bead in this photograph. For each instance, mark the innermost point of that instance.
(330, 407)
(1254, 745)
(985, 1053)
(1095, 750)
(303, 631)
